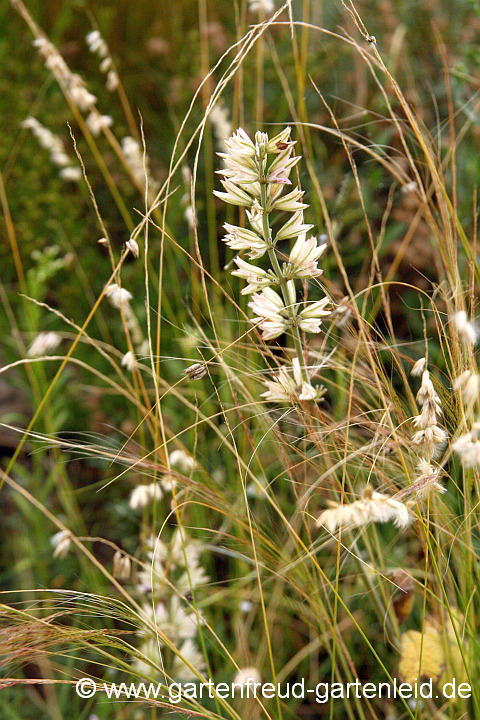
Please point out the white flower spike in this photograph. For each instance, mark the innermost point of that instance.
(255, 180)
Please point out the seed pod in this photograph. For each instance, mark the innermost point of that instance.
(196, 372)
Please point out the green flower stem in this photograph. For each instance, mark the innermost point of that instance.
(278, 272)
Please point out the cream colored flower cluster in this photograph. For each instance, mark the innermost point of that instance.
(72, 84)
(76, 91)
(144, 495)
(468, 446)
(465, 327)
(179, 561)
(44, 343)
(120, 298)
(254, 177)
(96, 44)
(467, 383)
(170, 614)
(429, 435)
(286, 385)
(373, 507)
(56, 148)
(427, 481)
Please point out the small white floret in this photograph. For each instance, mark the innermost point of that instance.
(44, 343)
(112, 81)
(248, 675)
(142, 495)
(466, 329)
(121, 566)
(128, 361)
(61, 542)
(418, 367)
(132, 245)
(96, 122)
(117, 295)
(185, 463)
